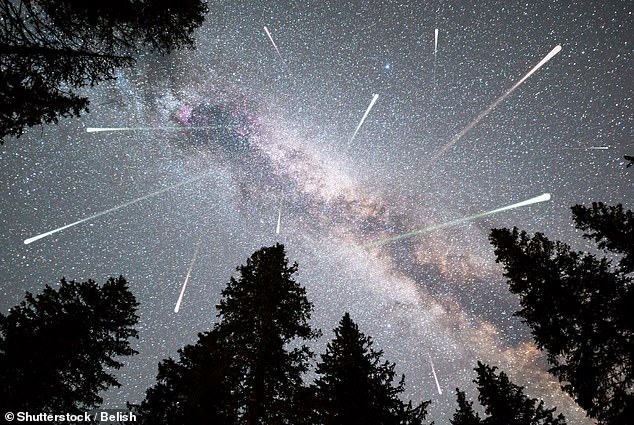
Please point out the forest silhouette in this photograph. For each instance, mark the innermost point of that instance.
(250, 367)
(59, 348)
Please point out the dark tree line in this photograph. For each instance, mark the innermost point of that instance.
(50, 48)
(57, 350)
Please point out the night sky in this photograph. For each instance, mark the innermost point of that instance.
(257, 135)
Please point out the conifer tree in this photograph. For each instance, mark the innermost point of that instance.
(355, 387)
(244, 370)
(49, 48)
(57, 349)
(504, 402)
(465, 415)
(579, 307)
(194, 390)
(260, 313)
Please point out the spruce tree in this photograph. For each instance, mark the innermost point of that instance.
(579, 307)
(248, 369)
(49, 48)
(57, 349)
(504, 402)
(355, 387)
(261, 313)
(464, 415)
(195, 390)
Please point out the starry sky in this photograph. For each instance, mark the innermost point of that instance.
(257, 131)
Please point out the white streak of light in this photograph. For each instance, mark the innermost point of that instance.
(494, 105)
(102, 129)
(266, 30)
(113, 209)
(433, 371)
(189, 272)
(374, 98)
(594, 148)
(540, 198)
(435, 42)
(279, 222)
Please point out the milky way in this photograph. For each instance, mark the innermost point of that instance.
(271, 135)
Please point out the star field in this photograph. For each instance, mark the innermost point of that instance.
(271, 133)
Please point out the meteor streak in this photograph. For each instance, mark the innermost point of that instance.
(593, 148)
(435, 51)
(279, 222)
(189, 272)
(102, 129)
(266, 30)
(374, 98)
(113, 209)
(494, 105)
(535, 200)
(433, 371)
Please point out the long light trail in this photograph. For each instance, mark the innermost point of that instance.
(433, 371)
(177, 307)
(279, 222)
(266, 30)
(113, 209)
(494, 105)
(109, 129)
(367, 111)
(591, 148)
(541, 198)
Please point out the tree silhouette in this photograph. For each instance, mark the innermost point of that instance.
(504, 402)
(56, 348)
(611, 228)
(354, 387)
(243, 371)
(579, 307)
(48, 48)
(194, 390)
(465, 415)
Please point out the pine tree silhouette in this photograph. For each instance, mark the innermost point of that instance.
(504, 402)
(355, 387)
(248, 369)
(57, 349)
(464, 415)
(579, 307)
(49, 48)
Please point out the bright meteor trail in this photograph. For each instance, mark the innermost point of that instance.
(118, 207)
(374, 98)
(433, 371)
(102, 129)
(535, 200)
(266, 30)
(435, 51)
(189, 272)
(494, 105)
